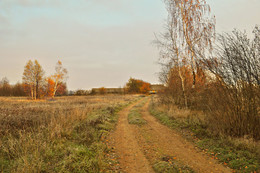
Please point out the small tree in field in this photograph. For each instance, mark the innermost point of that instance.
(33, 78)
(28, 78)
(49, 88)
(135, 86)
(145, 88)
(62, 90)
(39, 79)
(58, 78)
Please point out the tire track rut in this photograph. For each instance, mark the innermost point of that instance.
(169, 142)
(139, 147)
(131, 157)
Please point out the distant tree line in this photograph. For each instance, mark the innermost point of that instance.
(133, 86)
(35, 85)
(6, 89)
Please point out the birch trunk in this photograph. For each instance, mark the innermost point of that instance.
(183, 88)
(31, 87)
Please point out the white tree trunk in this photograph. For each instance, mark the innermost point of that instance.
(183, 88)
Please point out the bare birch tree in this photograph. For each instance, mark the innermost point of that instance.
(38, 78)
(190, 30)
(192, 25)
(171, 50)
(59, 77)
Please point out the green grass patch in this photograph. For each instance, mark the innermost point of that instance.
(236, 156)
(166, 120)
(135, 115)
(167, 164)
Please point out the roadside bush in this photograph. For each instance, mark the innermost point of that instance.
(233, 100)
(233, 112)
(227, 87)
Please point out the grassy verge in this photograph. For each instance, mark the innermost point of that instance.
(135, 115)
(171, 167)
(238, 155)
(162, 163)
(69, 142)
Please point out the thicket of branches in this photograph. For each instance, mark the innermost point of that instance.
(234, 99)
(216, 74)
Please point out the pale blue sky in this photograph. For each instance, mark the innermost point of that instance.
(100, 42)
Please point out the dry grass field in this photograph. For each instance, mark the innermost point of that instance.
(61, 135)
(115, 133)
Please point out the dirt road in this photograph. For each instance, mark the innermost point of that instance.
(131, 157)
(140, 147)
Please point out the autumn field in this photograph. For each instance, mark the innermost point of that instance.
(115, 133)
(61, 135)
(101, 108)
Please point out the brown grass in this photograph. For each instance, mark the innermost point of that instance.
(238, 152)
(23, 114)
(181, 115)
(49, 135)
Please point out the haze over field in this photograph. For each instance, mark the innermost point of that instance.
(101, 43)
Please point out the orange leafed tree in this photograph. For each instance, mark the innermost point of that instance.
(62, 90)
(175, 83)
(33, 78)
(50, 87)
(145, 88)
(137, 86)
(187, 75)
(58, 79)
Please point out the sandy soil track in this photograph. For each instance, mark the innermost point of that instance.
(169, 142)
(131, 157)
(140, 147)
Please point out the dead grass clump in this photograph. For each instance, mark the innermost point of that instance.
(186, 117)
